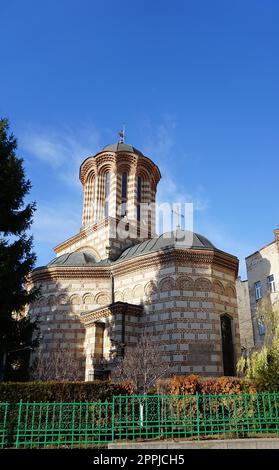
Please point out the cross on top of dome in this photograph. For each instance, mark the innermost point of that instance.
(122, 135)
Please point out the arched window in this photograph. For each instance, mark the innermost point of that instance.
(124, 194)
(139, 196)
(107, 191)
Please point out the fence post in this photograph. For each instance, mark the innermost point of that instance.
(159, 415)
(198, 415)
(18, 424)
(4, 431)
(112, 420)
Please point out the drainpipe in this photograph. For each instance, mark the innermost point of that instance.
(112, 287)
(123, 332)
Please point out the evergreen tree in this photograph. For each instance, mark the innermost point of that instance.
(16, 257)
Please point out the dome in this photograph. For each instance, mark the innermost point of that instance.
(81, 258)
(180, 239)
(121, 147)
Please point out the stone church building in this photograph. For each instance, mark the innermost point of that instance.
(115, 279)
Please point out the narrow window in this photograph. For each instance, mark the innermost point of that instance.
(139, 192)
(258, 290)
(124, 194)
(139, 189)
(107, 191)
(124, 185)
(271, 283)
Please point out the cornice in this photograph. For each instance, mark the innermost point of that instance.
(67, 272)
(88, 318)
(155, 259)
(134, 159)
(91, 317)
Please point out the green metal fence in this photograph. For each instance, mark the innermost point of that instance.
(85, 424)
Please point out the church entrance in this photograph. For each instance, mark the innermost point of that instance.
(227, 345)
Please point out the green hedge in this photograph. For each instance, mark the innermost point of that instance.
(59, 391)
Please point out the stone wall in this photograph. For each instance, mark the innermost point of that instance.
(59, 309)
(182, 306)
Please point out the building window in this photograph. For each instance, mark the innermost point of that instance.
(258, 290)
(107, 191)
(90, 375)
(261, 327)
(139, 192)
(124, 185)
(124, 194)
(271, 283)
(139, 189)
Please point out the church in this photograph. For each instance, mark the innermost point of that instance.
(116, 279)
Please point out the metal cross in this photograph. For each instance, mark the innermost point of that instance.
(122, 135)
(178, 216)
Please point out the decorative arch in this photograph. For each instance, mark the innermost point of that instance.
(138, 292)
(167, 284)
(123, 165)
(203, 284)
(91, 174)
(184, 283)
(102, 298)
(63, 299)
(75, 299)
(230, 291)
(143, 172)
(150, 288)
(106, 167)
(218, 287)
(88, 299)
(51, 300)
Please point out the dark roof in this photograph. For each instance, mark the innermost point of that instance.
(121, 147)
(177, 239)
(79, 258)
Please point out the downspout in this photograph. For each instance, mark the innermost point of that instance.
(123, 332)
(112, 287)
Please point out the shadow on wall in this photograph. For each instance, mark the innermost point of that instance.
(60, 353)
(179, 313)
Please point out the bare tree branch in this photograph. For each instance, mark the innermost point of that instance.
(60, 365)
(142, 365)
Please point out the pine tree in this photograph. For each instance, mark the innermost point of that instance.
(16, 256)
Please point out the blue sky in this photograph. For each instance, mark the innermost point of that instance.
(196, 83)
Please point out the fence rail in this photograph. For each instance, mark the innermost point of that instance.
(136, 417)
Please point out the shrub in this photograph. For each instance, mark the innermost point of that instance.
(262, 368)
(179, 385)
(225, 385)
(191, 384)
(60, 391)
